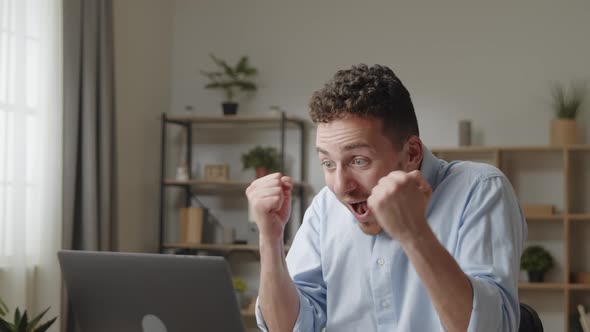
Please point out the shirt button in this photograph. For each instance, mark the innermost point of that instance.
(384, 304)
(380, 261)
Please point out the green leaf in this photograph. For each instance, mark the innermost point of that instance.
(249, 72)
(231, 78)
(214, 85)
(3, 308)
(6, 326)
(536, 258)
(245, 85)
(267, 157)
(568, 105)
(226, 68)
(43, 327)
(36, 320)
(243, 67)
(17, 316)
(242, 64)
(22, 324)
(212, 75)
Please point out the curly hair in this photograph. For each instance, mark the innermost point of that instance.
(367, 92)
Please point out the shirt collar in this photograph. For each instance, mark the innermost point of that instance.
(430, 166)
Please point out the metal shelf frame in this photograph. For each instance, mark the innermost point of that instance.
(187, 122)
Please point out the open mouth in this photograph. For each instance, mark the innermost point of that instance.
(360, 207)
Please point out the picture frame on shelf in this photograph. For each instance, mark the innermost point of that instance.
(219, 172)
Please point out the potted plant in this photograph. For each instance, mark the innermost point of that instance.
(21, 322)
(231, 80)
(536, 261)
(240, 287)
(264, 160)
(566, 107)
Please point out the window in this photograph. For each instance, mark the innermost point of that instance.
(28, 88)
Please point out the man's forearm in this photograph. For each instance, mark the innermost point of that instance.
(448, 287)
(278, 298)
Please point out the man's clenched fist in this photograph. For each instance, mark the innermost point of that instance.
(270, 198)
(399, 202)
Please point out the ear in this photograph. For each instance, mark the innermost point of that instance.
(412, 154)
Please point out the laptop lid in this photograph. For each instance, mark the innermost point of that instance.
(131, 292)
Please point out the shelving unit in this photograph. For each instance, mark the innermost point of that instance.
(215, 249)
(557, 175)
(193, 186)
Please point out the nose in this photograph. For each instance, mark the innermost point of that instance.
(343, 181)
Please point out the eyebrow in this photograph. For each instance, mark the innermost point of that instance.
(345, 148)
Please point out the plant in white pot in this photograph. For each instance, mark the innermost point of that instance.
(566, 106)
(231, 80)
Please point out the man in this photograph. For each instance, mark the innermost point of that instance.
(398, 240)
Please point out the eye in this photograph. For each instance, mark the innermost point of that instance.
(359, 162)
(328, 164)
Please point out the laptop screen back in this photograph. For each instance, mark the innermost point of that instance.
(149, 292)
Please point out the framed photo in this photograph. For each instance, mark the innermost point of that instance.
(217, 172)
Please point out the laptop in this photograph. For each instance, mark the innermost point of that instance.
(132, 292)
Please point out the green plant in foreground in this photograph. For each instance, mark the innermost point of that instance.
(21, 322)
(536, 259)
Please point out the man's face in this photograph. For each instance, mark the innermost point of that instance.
(354, 155)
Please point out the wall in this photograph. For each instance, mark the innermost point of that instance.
(143, 30)
(490, 62)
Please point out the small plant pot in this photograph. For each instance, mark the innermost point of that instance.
(230, 108)
(564, 132)
(261, 171)
(536, 276)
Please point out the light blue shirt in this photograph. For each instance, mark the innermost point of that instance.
(350, 281)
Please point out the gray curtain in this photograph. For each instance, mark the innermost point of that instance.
(89, 178)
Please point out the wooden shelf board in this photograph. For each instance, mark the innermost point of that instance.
(579, 286)
(541, 285)
(231, 119)
(578, 147)
(538, 218)
(220, 185)
(466, 149)
(579, 216)
(212, 246)
(215, 246)
(531, 148)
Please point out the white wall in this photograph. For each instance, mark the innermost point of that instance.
(489, 62)
(143, 30)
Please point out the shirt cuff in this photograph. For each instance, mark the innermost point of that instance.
(486, 314)
(304, 317)
(259, 318)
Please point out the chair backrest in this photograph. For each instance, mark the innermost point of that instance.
(529, 319)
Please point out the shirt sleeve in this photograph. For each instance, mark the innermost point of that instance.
(304, 264)
(490, 241)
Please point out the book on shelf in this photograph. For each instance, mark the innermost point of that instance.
(191, 224)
